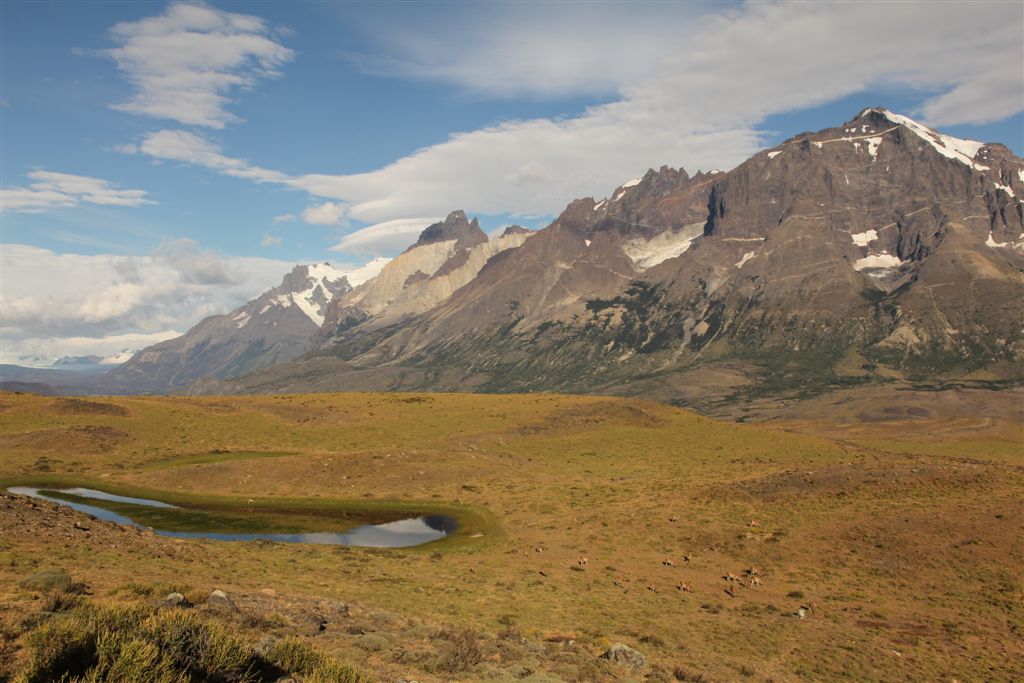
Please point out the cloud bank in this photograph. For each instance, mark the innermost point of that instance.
(50, 300)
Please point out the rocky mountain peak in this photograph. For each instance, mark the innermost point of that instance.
(579, 215)
(455, 227)
(295, 280)
(306, 278)
(515, 230)
(879, 120)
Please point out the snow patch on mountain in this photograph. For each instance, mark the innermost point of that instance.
(621, 191)
(307, 304)
(873, 144)
(948, 146)
(649, 253)
(877, 265)
(746, 257)
(366, 272)
(862, 239)
(1018, 244)
(323, 282)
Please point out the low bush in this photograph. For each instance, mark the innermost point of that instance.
(459, 651)
(91, 643)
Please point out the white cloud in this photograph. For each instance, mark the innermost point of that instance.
(528, 49)
(56, 190)
(269, 240)
(284, 218)
(697, 104)
(195, 265)
(48, 298)
(186, 62)
(179, 145)
(387, 237)
(971, 52)
(327, 213)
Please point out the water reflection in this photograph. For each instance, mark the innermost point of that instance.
(400, 534)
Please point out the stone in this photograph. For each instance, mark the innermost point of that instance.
(220, 601)
(313, 623)
(176, 600)
(623, 655)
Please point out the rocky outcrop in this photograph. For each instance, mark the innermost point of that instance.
(625, 656)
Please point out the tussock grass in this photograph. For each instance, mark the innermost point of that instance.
(94, 643)
(459, 651)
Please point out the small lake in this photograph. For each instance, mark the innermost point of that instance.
(249, 524)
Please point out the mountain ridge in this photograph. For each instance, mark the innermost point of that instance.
(867, 252)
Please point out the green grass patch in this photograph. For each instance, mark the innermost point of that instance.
(211, 458)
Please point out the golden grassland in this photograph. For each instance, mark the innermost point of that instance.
(586, 521)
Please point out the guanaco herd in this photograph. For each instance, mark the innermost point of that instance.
(748, 578)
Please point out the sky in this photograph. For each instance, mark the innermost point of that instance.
(162, 162)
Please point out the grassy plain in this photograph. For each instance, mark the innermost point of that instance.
(587, 521)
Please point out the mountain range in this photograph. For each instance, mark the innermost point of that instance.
(874, 251)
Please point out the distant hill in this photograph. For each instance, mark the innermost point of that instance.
(276, 326)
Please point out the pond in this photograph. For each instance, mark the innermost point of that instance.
(245, 524)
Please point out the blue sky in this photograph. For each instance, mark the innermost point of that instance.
(178, 139)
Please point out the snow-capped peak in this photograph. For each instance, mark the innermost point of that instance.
(948, 146)
(621, 190)
(367, 271)
(324, 271)
(322, 283)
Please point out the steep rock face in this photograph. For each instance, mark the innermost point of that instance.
(438, 244)
(446, 257)
(592, 250)
(275, 327)
(876, 249)
(461, 268)
(837, 239)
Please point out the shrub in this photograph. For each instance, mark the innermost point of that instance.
(202, 648)
(59, 648)
(92, 644)
(61, 601)
(294, 656)
(682, 674)
(460, 651)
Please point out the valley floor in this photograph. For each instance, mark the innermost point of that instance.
(873, 547)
